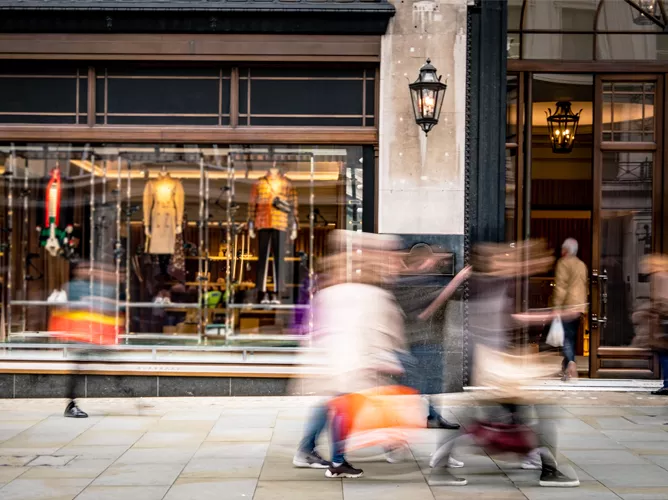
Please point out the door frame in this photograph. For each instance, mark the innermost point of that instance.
(598, 279)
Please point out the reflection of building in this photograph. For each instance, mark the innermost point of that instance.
(105, 94)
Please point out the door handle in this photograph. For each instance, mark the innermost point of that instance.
(603, 298)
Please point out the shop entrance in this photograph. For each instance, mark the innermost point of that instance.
(605, 192)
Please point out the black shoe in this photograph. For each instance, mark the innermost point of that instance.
(344, 470)
(73, 411)
(661, 392)
(441, 423)
(310, 460)
(553, 478)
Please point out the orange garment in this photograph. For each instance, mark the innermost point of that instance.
(378, 416)
(260, 206)
(85, 326)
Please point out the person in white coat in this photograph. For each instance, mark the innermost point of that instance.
(359, 328)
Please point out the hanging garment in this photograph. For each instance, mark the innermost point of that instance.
(273, 203)
(163, 213)
(177, 264)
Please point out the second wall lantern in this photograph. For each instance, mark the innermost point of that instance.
(562, 125)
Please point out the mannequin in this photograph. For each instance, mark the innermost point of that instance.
(163, 215)
(273, 211)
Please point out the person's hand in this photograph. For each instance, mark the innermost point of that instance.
(293, 234)
(179, 229)
(251, 230)
(147, 231)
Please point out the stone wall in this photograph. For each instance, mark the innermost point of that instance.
(421, 179)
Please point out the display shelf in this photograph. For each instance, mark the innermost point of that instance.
(219, 258)
(259, 307)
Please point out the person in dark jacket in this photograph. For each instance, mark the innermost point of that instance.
(415, 289)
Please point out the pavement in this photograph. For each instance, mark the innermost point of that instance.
(241, 448)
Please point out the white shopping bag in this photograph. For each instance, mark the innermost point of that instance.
(556, 336)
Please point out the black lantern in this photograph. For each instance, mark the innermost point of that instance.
(646, 8)
(427, 94)
(562, 126)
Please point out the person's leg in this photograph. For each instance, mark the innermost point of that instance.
(550, 475)
(72, 410)
(428, 374)
(663, 362)
(340, 427)
(306, 456)
(263, 245)
(570, 339)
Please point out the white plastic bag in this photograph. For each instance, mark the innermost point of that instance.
(556, 336)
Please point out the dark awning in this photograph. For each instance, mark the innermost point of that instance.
(196, 16)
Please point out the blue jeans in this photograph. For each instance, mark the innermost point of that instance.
(663, 361)
(314, 427)
(423, 371)
(570, 338)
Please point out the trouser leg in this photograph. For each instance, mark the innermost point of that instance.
(278, 250)
(264, 245)
(442, 454)
(314, 427)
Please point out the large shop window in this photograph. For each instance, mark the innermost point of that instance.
(204, 245)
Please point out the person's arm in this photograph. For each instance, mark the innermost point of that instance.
(447, 292)
(560, 284)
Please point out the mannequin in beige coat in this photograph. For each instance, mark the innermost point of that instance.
(163, 213)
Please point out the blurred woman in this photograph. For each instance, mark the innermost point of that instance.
(359, 327)
(90, 319)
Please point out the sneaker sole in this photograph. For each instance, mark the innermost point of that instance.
(446, 482)
(531, 467)
(331, 475)
(306, 465)
(564, 484)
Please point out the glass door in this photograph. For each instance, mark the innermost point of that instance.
(626, 218)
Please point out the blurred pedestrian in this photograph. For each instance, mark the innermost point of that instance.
(415, 288)
(570, 291)
(90, 319)
(495, 267)
(360, 329)
(655, 316)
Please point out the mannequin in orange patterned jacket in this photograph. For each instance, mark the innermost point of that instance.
(272, 212)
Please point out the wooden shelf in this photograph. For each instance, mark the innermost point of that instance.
(244, 259)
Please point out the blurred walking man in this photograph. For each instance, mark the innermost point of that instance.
(570, 291)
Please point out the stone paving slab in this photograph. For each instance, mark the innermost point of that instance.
(241, 448)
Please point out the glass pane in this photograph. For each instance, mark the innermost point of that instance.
(574, 16)
(511, 194)
(512, 88)
(636, 47)
(558, 46)
(626, 235)
(618, 15)
(514, 14)
(628, 111)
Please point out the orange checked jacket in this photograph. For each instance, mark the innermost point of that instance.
(260, 206)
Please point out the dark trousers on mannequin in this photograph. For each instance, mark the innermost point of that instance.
(270, 242)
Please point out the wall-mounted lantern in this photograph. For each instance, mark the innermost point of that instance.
(562, 126)
(427, 93)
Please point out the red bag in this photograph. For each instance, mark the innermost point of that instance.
(508, 438)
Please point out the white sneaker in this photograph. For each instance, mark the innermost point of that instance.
(453, 463)
(532, 461)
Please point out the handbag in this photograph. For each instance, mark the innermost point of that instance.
(555, 337)
(277, 202)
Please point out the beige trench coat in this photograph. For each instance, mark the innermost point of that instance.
(163, 213)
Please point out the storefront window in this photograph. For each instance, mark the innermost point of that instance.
(206, 245)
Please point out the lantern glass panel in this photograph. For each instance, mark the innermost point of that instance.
(428, 102)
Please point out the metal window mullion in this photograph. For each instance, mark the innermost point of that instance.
(311, 246)
(117, 245)
(24, 245)
(10, 248)
(91, 241)
(200, 263)
(229, 317)
(128, 217)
